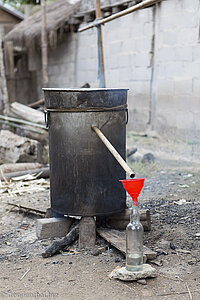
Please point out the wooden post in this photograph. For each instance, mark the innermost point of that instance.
(87, 232)
(44, 45)
(9, 69)
(100, 46)
(3, 84)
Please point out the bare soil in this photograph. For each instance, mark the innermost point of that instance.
(171, 192)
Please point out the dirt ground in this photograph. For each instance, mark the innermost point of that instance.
(171, 192)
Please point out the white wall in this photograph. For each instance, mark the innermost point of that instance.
(155, 52)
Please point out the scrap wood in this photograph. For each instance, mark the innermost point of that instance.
(25, 274)
(58, 245)
(119, 221)
(16, 167)
(29, 209)
(26, 113)
(38, 173)
(178, 293)
(118, 240)
(189, 292)
(26, 184)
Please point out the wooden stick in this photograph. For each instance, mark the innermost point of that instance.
(188, 290)
(124, 12)
(36, 103)
(177, 293)
(27, 209)
(98, 16)
(114, 152)
(25, 274)
(61, 244)
(3, 176)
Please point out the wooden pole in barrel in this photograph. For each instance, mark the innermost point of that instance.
(114, 152)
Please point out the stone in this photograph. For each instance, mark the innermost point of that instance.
(52, 227)
(15, 149)
(142, 281)
(124, 275)
(172, 246)
(87, 232)
(148, 158)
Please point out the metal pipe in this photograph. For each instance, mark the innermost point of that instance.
(114, 152)
(127, 11)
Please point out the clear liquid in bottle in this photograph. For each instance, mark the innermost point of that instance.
(134, 261)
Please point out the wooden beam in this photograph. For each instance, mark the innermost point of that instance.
(118, 240)
(122, 13)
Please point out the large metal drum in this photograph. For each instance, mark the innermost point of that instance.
(84, 176)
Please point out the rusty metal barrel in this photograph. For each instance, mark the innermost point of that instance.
(84, 176)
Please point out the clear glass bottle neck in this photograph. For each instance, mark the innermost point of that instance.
(134, 217)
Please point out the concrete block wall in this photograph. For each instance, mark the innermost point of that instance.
(155, 52)
(127, 55)
(177, 65)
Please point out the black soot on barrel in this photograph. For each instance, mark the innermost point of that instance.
(84, 176)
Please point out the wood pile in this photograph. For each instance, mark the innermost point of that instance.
(27, 184)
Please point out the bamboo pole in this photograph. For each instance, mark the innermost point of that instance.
(21, 126)
(114, 152)
(100, 46)
(127, 11)
(44, 45)
(20, 121)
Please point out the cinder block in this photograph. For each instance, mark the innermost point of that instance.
(52, 227)
(143, 59)
(143, 44)
(183, 86)
(190, 36)
(165, 87)
(190, 5)
(87, 232)
(142, 73)
(166, 54)
(169, 38)
(196, 53)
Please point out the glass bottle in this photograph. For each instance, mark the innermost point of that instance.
(134, 240)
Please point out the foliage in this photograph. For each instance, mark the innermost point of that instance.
(17, 3)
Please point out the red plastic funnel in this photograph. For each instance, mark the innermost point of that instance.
(133, 187)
